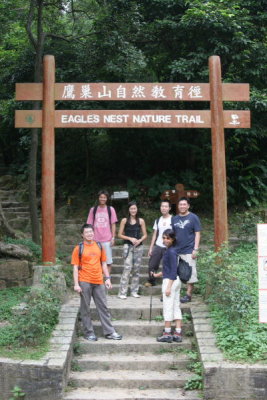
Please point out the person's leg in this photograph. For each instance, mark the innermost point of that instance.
(99, 296)
(137, 259)
(128, 263)
(154, 262)
(167, 314)
(108, 250)
(190, 284)
(85, 309)
(177, 314)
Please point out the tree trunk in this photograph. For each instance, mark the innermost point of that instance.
(38, 44)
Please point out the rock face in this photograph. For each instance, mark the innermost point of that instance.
(15, 273)
(16, 251)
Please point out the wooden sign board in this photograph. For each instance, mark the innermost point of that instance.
(133, 91)
(131, 119)
(262, 271)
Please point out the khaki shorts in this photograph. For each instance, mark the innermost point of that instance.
(108, 249)
(188, 258)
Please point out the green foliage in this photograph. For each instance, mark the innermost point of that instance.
(229, 280)
(196, 381)
(10, 298)
(155, 41)
(17, 393)
(39, 318)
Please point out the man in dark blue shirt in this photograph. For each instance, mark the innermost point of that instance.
(187, 227)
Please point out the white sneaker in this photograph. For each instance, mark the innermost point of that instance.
(135, 295)
(121, 296)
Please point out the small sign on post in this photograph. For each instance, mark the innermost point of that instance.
(174, 195)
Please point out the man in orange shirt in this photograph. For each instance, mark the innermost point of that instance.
(88, 270)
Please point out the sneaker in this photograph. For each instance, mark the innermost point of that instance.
(114, 336)
(122, 296)
(91, 338)
(177, 337)
(165, 337)
(186, 299)
(135, 295)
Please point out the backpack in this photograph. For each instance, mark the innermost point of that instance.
(184, 270)
(109, 214)
(81, 247)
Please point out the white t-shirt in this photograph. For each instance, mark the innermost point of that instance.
(163, 224)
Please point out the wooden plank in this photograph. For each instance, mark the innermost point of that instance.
(28, 119)
(131, 119)
(29, 91)
(133, 91)
(236, 119)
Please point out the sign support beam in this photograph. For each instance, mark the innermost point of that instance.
(48, 162)
(218, 154)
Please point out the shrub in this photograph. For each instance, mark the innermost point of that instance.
(228, 279)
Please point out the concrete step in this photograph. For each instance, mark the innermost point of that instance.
(136, 361)
(14, 204)
(139, 327)
(132, 344)
(136, 379)
(144, 291)
(117, 277)
(131, 394)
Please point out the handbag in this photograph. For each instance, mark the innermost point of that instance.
(184, 270)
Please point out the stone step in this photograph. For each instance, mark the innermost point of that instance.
(142, 290)
(131, 394)
(136, 379)
(16, 209)
(14, 204)
(131, 344)
(136, 361)
(115, 278)
(139, 327)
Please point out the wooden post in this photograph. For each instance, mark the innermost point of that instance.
(48, 162)
(218, 153)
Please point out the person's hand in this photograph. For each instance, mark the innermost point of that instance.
(168, 292)
(112, 242)
(137, 242)
(77, 288)
(133, 240)
(108, 284)
(194, 254)
(149, 253)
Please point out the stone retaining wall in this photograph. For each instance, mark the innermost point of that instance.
(225, 380)
(44, 379)
(15, 273)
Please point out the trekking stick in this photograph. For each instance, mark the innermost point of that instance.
(150, 308)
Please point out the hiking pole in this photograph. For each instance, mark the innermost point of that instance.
(150, 308)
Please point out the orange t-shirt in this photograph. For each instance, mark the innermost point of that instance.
(91, 260)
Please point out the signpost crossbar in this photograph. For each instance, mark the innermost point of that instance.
(48, 119)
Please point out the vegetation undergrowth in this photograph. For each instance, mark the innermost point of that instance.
(228, 280)
(9, 298)
(27, 333)
(196, 381)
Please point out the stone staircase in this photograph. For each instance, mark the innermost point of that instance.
(137, 367)
(15, 211)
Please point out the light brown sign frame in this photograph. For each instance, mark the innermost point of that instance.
(48, 119)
